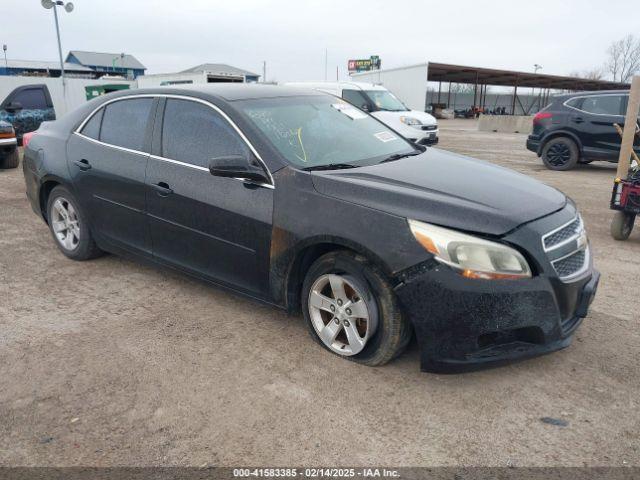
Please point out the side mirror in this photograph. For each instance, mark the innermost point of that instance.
(13, 107)
(365, 107)
(237, 166)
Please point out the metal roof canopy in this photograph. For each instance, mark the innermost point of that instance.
(220, 69)
(102, 59)
(443, 72)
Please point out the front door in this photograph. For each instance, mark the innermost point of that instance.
(108, 161)
(596, 125)
(216, 227)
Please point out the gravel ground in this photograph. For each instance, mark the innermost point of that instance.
(110, 362)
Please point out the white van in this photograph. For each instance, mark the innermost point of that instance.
(419, 127)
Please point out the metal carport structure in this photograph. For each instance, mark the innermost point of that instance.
(482, 77)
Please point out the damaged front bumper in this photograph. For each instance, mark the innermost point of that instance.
(465, 324)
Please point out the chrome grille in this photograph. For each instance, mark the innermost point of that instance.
(558, 237)
(570, 265)
(567, 249)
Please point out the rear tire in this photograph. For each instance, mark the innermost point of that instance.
(560, 153)
(69, 227)
(382, 331)
(622, 225)
(11, 161)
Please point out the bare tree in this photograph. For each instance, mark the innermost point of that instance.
(595, 73)
(463, 88)
(624, 58)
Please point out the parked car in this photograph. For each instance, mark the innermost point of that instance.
(418, 127)
(8, 146)
(26, 108)
(578, 128)
(303, 201)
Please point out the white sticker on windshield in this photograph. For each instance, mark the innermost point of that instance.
(349, 110)
(385, 136)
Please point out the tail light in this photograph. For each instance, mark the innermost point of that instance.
(541, 116)
(26, 138)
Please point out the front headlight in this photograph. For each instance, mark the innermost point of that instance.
(472, 257)
(410, 121)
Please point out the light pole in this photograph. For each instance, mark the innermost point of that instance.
(536, 67)
(48, 4)
(6, 64)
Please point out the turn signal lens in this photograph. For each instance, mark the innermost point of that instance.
(426, 242)
(471, 256)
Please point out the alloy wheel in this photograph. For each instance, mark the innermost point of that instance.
(65, 224)
(558, 154)
(340, 315)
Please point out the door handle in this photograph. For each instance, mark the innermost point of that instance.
(83, 164)
(162, 188)
(578, 119)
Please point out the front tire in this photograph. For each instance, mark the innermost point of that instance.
(560, 153)
(69, 226)
(622, 225)
(351, 310)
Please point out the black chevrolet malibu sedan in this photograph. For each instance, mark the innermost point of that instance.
(299, 199)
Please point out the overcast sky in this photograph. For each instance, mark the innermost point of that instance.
(291, 35)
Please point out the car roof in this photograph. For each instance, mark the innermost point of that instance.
(226, 91)
(565, 96)
(335, 85)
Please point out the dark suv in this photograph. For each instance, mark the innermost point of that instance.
(578, 128)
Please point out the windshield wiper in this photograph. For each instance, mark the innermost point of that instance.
(330, 166)
(398, 156)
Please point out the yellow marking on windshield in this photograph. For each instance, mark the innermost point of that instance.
(305, 160)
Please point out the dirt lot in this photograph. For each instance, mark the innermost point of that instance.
(113, 363)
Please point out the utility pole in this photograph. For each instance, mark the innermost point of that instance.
(264, 71)
(69, 8)
(55, 15)
(326, 62)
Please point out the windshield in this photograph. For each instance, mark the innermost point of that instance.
(385, 100)
(315, 131)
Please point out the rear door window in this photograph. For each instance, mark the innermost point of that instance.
(574, 102)
(603, 104)
(124, 123)
(194, 133)
(31, 99)
(92, 127)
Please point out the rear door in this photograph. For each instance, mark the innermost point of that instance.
(216, 227)
(594, 123)
(108, 160)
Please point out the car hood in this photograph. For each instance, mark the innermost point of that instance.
(386, 117)
(445, 189)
